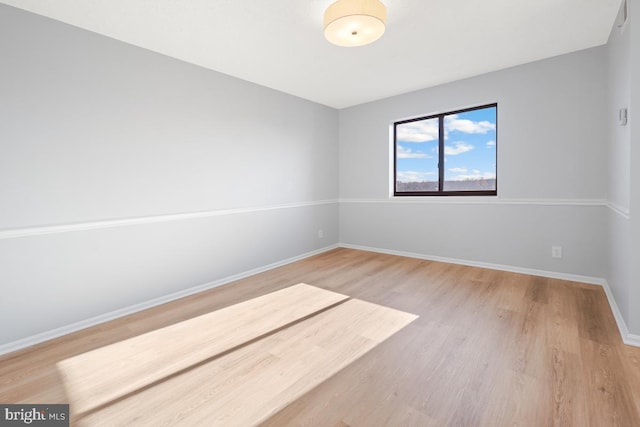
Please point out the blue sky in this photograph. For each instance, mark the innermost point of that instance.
(470, 147)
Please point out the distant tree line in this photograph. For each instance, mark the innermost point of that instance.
(466, 185)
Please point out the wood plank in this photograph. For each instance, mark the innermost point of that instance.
(246, 386)
(98, 377)
(490, 347)
(605, 386)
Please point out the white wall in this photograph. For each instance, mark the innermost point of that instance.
(552, 177)
(127, 176)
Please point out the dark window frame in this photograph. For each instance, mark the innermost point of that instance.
(441, 159)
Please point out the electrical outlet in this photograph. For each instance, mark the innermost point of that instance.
(556, 251)
(320, 233)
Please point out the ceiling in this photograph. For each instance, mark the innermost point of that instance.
(279, 43)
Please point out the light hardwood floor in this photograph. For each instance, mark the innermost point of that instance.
(490, 348)
(100, 376)
(249, 384)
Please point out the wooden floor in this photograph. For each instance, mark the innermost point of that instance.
(489, 348)
(151, 358)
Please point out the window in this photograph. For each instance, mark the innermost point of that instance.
(448, 154)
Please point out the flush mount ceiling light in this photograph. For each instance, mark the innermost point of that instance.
(354, 22)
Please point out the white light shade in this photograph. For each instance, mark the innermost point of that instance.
(354, 22)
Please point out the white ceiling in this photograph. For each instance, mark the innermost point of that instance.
(279, 43)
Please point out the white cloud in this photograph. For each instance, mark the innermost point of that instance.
(420, 131)
(413, 176)
(408, 153)
(491, 144)
(452, 123)
(457, 148)
(458, 170)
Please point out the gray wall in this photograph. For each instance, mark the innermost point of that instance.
(620, 262)
(623, 84)
(634, 122)
(552, 181)
(127, 176)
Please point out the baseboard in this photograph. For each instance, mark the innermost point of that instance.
(632, 339)
(627, 338)
(74, 327)
(531, 271)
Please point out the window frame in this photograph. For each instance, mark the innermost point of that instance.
(441, 157)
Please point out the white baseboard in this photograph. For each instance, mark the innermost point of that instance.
(632, 339)
(74, 327)
(627, 338)
(500, 267)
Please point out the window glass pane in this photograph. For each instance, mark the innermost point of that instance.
(470, 150)
(417, 156)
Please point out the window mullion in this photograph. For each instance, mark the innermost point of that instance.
(440, 153)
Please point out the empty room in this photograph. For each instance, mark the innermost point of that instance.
(319, 213)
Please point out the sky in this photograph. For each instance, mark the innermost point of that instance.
(470, 147)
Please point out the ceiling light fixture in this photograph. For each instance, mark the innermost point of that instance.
(354, 22)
